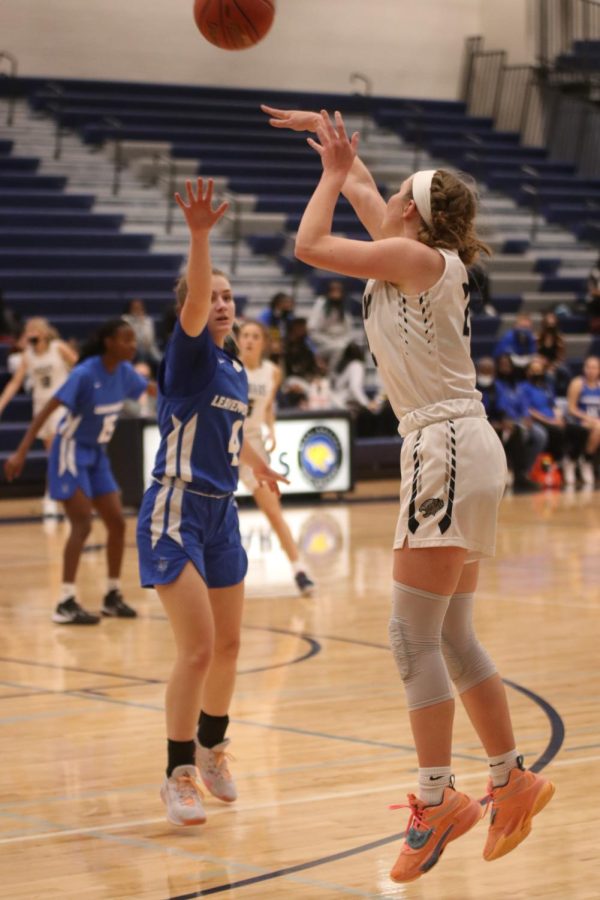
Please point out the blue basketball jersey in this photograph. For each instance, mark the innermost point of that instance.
(202, 404)
(94, 398)
(589, 401)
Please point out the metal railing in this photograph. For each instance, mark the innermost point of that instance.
(482, 96)
(163, 163)
(11, 75)
(473, 45)
(367, 90)
(55, 107)
(561, 22)
(526, 100)
(510, 95)
(234, 214)
(118, 160)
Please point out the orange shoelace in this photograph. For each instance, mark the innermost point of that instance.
(188, 790)
(416, 813)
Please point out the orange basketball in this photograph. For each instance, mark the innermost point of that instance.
(234, 24)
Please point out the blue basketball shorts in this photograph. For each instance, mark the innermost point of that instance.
(72, 466)
(176, 526)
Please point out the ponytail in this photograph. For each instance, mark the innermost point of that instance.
(95, 345)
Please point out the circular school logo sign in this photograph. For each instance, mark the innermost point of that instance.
(320, 455)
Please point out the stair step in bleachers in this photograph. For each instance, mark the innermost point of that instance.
(44, 199)
(59, 218)
(79, 259)
(45, 238)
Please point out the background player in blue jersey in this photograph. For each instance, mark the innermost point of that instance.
(583, 397)
(79, 472)
(188, 532)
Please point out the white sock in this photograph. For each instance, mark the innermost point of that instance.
(501, 766)
(113, 584)
(67, 590)
(297, 566)
(432, 783)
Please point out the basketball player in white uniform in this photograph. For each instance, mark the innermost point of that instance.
(45, 364)
(416, 316)
(264, 378)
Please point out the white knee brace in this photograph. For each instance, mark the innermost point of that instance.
(415, 637)
(468, 662)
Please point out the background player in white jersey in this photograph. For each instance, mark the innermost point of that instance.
(264, 378)
(45, 364)
(188, 533)
(416, 316)
(79, 472)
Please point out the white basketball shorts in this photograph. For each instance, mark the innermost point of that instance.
(453, 478)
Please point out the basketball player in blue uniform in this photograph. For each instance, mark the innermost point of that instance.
(583, 398)
(188, 532)
(79, 473)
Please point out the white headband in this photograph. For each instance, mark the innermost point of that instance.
(421, 190)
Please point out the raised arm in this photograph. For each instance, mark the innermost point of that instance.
(399, 260)
(200, 218)
(359, 187)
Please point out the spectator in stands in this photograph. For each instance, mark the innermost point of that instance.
(583, 398)
(10, 326)
(300, 365)
(551, 345)
(519, 343)
(143, 326)
(276, 318)
(330, 324)
(508, 415)
(565, 440)
(45, 365)
(348, 381)
(592, 300)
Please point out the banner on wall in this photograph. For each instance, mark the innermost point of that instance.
(314, 454)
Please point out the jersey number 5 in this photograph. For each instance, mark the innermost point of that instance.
(234, 443)
(108, 427)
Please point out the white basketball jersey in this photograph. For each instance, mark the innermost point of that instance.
(421, 346)
(260, 387)
(48, 371)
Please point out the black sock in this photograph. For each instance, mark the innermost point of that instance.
(211, 729)
(180, 753)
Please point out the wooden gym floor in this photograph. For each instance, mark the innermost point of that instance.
(319, 727)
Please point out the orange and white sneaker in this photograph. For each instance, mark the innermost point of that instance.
(514, 805)
(430, 828)
(213, 763)
(182, 796)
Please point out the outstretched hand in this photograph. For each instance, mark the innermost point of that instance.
(295, 119)
(13, 466)
(269, 477)
(336, 150)
(198, 211)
